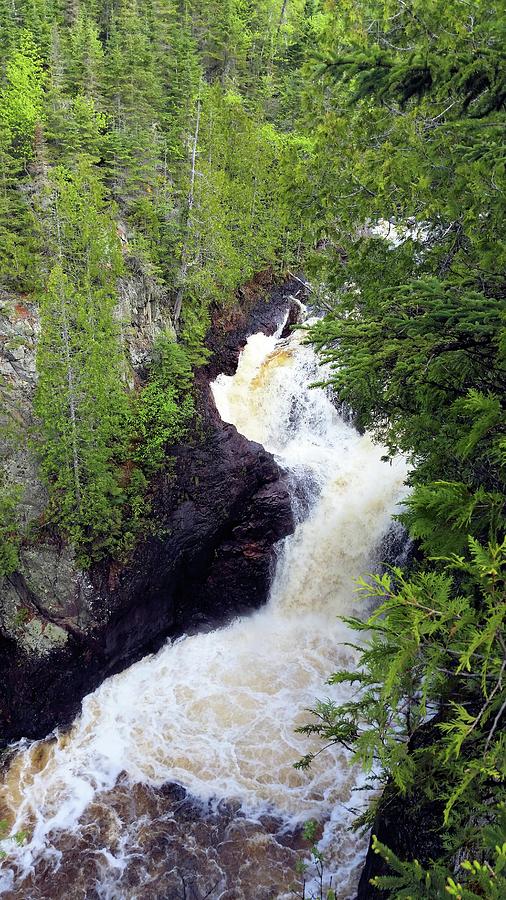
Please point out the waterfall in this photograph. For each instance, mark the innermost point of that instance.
(216, 713)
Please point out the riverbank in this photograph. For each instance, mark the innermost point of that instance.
(218, 511)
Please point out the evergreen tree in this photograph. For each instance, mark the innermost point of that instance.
(405, 190)
(80, 399)
(427, 715)
(21, 109)
(9, 529)
(85, 55)
(133, 103)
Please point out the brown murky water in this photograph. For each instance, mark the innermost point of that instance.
(145, 843)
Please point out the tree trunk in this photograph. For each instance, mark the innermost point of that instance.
(70, 373)
(281, 18)
(189, 223)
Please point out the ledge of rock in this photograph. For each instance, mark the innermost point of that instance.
(218, 517)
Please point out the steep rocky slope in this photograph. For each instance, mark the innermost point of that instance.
(218, 515)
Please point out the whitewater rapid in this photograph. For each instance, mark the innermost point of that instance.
(217, 712)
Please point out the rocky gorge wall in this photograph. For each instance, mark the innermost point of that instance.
(218, 516)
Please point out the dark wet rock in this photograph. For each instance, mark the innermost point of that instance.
(411, 830)
(169, 846)
(264, 307)
(409, 825)
(219, 512)
(294, 313)
(396, 549)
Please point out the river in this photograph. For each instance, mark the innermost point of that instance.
(177, 779)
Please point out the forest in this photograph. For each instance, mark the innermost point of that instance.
(359, 144)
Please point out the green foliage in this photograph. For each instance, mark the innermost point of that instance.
(474, 76)
(421, 367)
(432, 689)
(97, 446)
(80, 398)
(410, 878)
(440, 515)
(165, 406)
(21, 110)
(21, 95)
(77, 128)
(238, 221)
(9, 528)
(476, 878)
(313, 870)
(363, 140)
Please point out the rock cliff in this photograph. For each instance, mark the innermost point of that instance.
(218, 517)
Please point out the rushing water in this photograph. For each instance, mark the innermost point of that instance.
(216, 713)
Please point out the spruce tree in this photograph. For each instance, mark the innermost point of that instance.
(21, 110)
(81, 399)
